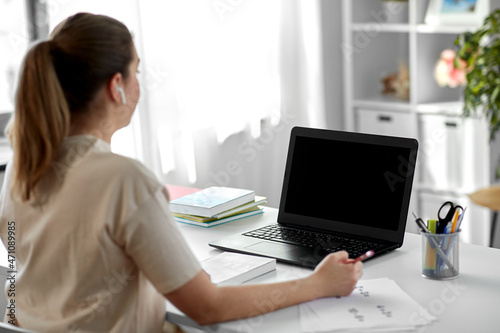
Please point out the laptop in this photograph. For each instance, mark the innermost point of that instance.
(341, 191)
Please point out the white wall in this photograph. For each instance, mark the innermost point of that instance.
(331, 25)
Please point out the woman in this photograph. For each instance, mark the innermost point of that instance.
(96, 246)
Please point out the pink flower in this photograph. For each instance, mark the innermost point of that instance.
(446, 74)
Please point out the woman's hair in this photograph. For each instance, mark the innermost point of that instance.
(60, 76)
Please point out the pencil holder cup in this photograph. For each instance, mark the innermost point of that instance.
(440, 255)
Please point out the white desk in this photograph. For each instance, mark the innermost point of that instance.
(470, 303)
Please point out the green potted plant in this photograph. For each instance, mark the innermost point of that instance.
(481, 52)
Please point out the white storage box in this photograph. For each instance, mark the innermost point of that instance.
(453, 153)
(386, 123)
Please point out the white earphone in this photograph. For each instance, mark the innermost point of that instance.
(122, 93)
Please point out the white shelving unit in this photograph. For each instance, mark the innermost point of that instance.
(454, 154)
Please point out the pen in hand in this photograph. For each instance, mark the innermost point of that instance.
(360, 258)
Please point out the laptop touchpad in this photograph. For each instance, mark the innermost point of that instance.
(272, 248)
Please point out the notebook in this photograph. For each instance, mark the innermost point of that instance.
(341, 191)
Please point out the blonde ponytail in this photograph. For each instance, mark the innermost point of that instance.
(40, 123)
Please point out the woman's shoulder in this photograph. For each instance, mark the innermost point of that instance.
(94, 158)
(123, 168)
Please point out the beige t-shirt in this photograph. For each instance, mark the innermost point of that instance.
(98, 249)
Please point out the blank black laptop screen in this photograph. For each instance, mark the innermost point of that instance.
(350, 182)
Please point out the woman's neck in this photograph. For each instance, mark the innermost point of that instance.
(93, 123)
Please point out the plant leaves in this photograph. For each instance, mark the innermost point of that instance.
(481, 51)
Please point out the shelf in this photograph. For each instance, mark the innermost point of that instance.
(454, 156)
(420, 28)
(432, 189)
(442, 29)
(449, 108)
(375, 27)
(383, 103)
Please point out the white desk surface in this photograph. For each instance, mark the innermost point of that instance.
(469, 303)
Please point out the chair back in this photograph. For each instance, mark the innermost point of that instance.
(8, 328)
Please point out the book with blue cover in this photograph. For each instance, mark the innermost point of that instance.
(252, 212)
(252, 205)
(211, 201)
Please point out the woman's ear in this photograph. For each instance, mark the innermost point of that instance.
(115, 89)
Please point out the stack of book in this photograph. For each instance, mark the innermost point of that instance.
(216, 205)
(229, 268)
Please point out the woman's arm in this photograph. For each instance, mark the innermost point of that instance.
(206, 303)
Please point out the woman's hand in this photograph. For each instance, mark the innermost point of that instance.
(335, 277)
(208, 304)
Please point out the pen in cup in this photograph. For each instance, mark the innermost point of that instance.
(433, 243)
(420, 223)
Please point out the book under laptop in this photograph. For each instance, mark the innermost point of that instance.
(341, 191)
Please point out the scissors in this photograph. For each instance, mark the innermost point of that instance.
(443, 221)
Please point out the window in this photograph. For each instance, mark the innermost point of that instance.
(218, 65)
(13, 43)
(14, 40)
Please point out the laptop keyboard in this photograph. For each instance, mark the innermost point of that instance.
(326, 242)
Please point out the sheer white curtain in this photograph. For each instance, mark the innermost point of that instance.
(222, 84)
(235, 77)
(14, 40)
(220, 72)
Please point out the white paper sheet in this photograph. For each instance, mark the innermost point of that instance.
(375, 305)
